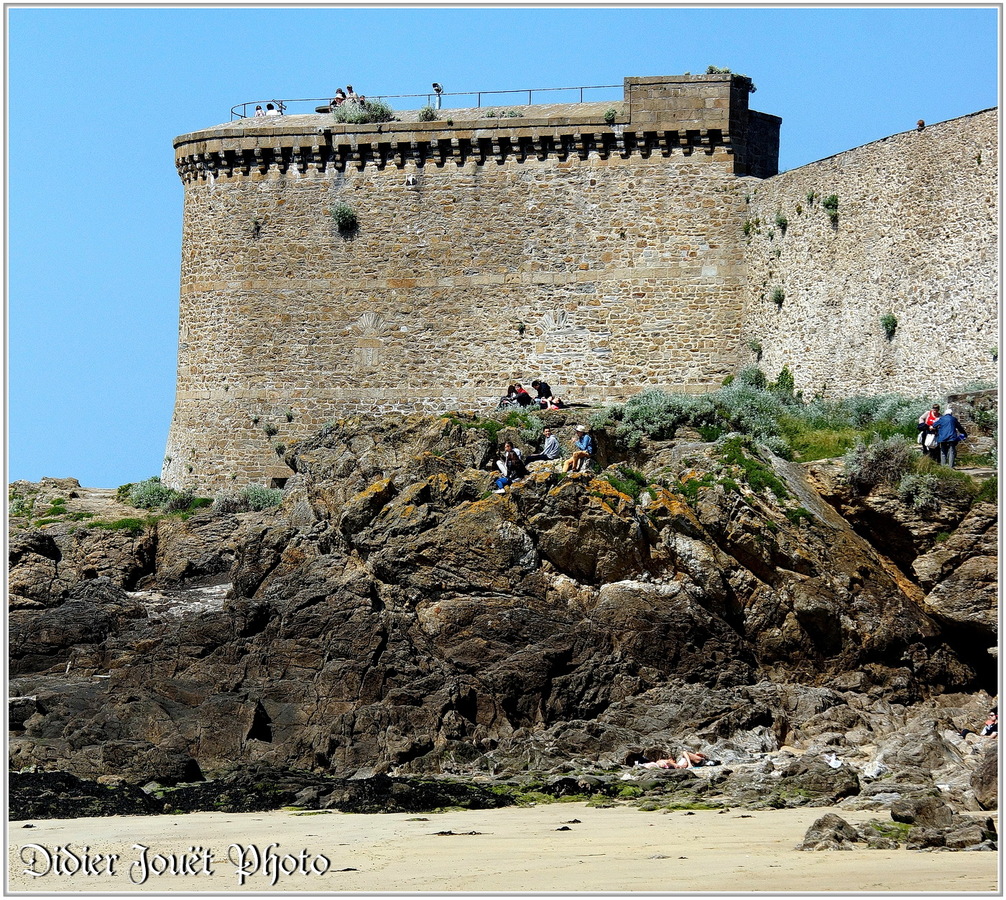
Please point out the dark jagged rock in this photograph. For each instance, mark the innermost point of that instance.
(58, 795)
(396, 617)
(91, 612)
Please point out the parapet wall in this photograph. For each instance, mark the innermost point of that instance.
(603, 256)
(916, 238)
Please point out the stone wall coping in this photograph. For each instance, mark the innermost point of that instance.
(547, 116)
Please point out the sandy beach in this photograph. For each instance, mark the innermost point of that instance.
(562, 847)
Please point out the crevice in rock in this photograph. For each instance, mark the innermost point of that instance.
(261, 725)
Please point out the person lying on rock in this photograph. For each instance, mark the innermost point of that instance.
(687, 760)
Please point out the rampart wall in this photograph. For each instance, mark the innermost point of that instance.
(603, 254)
(916, 238)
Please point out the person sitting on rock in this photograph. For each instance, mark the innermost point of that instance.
(550, 449)
(522, 397)
(546, 399)
(511, 467)
(582, 454)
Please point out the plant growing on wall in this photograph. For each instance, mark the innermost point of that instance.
(830, 205)
(289, 415)
(743, 79)
(756, 349)
(270, 430)
(427, 114)
(345, 218)
(280, 448)
(778, 296)
(609, 116)
(782, 222)
(356, 113)
(889, 323)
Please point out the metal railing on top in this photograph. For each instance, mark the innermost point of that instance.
(247, 110)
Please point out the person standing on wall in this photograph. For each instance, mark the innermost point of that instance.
(948, 434)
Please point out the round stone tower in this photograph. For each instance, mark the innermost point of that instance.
(329, 269)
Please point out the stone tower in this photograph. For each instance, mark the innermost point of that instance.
(597, 245)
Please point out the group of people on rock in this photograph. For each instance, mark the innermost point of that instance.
(939, 435)
(518, 395)
(512, 466)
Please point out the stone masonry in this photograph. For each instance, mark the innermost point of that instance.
(915, 237)
(606, 248)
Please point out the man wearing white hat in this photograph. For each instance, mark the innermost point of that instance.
(583, 452)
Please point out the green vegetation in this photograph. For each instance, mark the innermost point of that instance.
(356, 113)
(259, 497)
(758, 475)
(609, 116)
(890, 324)
(989, 491)
(344, 217)
(427, 114)
(773, 413)
(797, 515)
(743, 79)
(781, 222)
(830, 205)
(628, 481)
(20, 505)
(882, 462)
(132, 525)
(778, 296)
(920, 482)
(151, 494)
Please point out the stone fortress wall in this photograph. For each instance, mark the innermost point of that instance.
(604, 256)
(916, 238)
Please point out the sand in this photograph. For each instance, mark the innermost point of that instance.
(516, 849)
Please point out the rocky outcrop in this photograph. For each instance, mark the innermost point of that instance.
(396, 616)
(933, 826)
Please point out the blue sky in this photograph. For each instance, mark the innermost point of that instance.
(96, 95)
